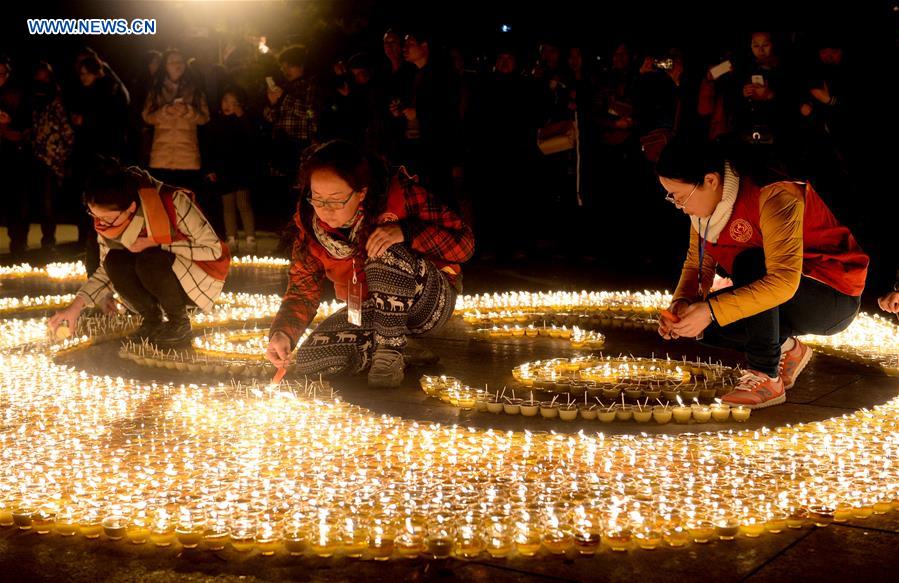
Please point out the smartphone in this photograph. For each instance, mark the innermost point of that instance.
(721, 69)
(270, 81)
(178, 100)
(758, 80)
(665, 64)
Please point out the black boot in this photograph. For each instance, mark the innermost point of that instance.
(175, 332)
(150, 325)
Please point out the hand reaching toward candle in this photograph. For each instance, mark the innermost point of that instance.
(278, 351)
(693, 320)
(69, 315)
(890, 302)
(382, 238)
(677, 307)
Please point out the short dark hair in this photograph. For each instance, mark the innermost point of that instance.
(109, 185)
(689, 161)
(294, 56)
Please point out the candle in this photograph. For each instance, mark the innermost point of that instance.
(528, 539)
(702, 531)
(588, 412)
(65, 522)
(676, 536)
(549, 409)
(468, 541)
(295, 542)
(568, 412)
(642, 414)
(494, 405)
(624, 412)
(681, 412)
(410, 540)
(267, 539)
(530, 408)
(607, 415)
(648, 537)
(752, 525)
(90, 524)
(740, 413)
(701, 413)
(662, 414)
(22, 516)
(43, 519)
(137, 531)
(114, 527)
(616, 533)
(512, 406)
(499, 537)
(720, 412)
(727, 527)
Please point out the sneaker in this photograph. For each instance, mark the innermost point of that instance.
(173, 332)
(250, 246)
(756, 390)
(793, 361)
(386, 368)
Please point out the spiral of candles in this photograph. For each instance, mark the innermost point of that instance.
(282, 469)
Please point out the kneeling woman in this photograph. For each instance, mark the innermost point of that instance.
(795, 269)
(157, 251)
(392, 252)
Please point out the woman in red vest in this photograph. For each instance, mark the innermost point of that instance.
(795, 269)
(157, 251)
(392, 252)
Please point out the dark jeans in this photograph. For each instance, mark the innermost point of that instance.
(147, 283)
(815, 308)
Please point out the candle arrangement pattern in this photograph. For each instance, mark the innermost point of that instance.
(603, 388)
(288, 469)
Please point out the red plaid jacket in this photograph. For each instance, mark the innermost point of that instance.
(429, 228)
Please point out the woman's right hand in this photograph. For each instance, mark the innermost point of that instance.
(69, 315)
(278, 350)
(677, 308)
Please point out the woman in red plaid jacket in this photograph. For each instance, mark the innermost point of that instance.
(393, 253)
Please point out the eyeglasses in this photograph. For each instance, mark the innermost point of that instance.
(330, 204)
(103, 221)
(680, 203)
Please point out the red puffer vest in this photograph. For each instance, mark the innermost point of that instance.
(830, 254)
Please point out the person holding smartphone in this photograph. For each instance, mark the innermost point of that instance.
(175, 107)
(795, 269)
(747, 99)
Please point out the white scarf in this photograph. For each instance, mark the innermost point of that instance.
(715, 224)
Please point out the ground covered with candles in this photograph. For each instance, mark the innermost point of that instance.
(557, 436)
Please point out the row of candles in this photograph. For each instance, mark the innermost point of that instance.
(76, 270)
(576, 336)
(256, 461)
(451, 390)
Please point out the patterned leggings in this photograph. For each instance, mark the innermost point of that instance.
(407, 295)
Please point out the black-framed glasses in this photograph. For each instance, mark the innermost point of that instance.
(330, 204)
(680, 203)
(103, 221)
